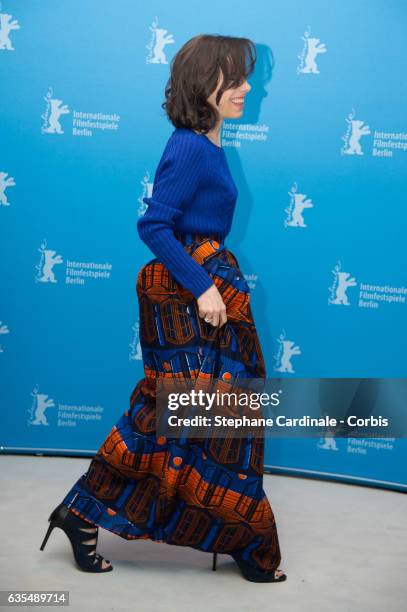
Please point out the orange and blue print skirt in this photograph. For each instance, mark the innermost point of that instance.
(204, 493)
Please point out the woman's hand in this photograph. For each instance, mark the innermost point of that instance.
(212, 307)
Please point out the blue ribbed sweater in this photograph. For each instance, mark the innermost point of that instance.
(193, 191)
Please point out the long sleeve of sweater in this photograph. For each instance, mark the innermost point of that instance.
(176, 181)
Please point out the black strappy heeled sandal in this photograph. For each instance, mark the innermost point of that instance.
(251, 573)
(75, 528)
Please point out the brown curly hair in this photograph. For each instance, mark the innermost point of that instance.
(195, 72)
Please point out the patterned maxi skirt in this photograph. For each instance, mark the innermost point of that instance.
(205, 493)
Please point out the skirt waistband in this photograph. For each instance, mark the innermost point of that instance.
(187, 238)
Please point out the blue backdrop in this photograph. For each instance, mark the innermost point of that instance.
(319, 158)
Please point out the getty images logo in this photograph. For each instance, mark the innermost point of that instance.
(311, 49)
(159, 39)
(298, 202)
(354, 132)
(342, 281)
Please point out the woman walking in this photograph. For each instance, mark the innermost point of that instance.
(195, 321)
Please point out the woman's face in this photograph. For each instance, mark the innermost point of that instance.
(231, 104)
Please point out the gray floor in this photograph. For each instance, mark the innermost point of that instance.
(344, 549)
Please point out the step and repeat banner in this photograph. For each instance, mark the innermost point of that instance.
(319, 158)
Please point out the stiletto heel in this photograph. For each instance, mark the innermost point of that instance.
(50, 528)
(73, 525)
(214, 559)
